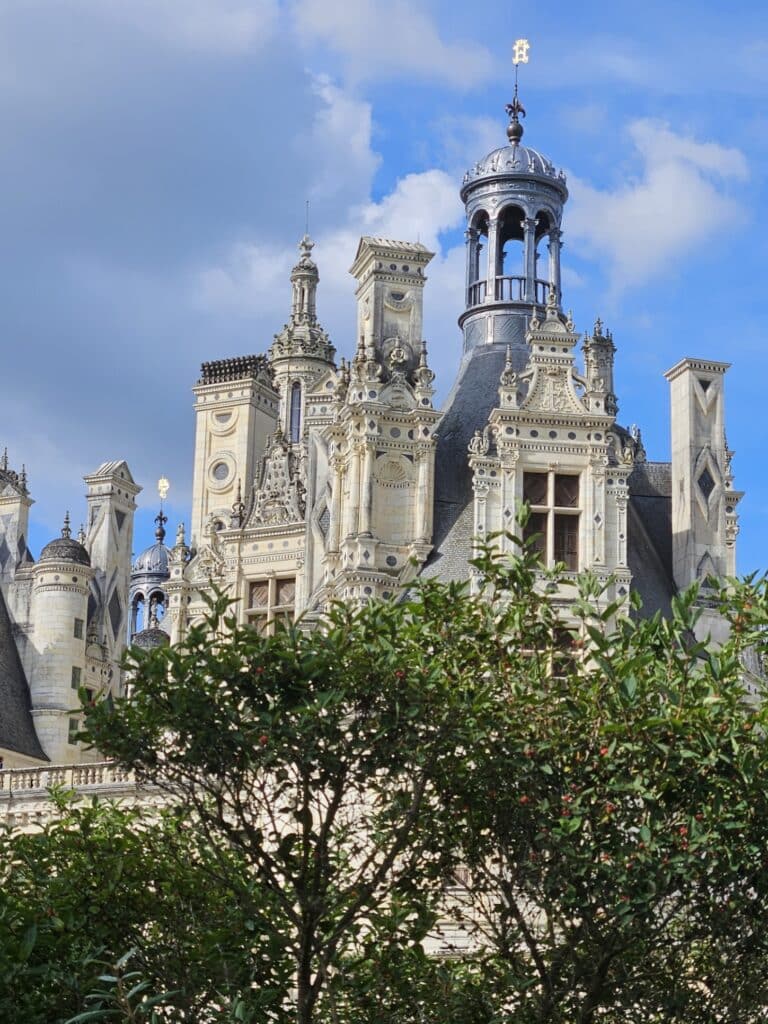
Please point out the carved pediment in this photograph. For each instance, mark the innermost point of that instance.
(552, 390)
(281, 497)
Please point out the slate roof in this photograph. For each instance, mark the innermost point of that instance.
(649, 547)
(467, 409)
(17, 730)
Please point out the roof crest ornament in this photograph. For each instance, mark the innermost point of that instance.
(515, 109)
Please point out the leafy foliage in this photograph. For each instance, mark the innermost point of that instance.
(462, 806)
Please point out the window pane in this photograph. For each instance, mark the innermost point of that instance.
(536, 531)
(78, 629)
(76, 676)
(259, 623)
(259, 594)
(535, 488)
(74, 728)
(282, 620)
(286, 592)
(567, 541)
(566, 491)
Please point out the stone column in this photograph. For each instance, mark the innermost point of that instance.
(335, 510)
(366, 491)
(493, 256)
(470, 237)
(555, 246)
(353, 509)
(423, 518)
(529, 244)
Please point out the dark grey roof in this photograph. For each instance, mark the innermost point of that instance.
(474, 395)
(17, 730)
(65, 549)
(649, 547)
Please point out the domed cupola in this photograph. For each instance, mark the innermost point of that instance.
(149, 575)
(514, 201)
(65, 548)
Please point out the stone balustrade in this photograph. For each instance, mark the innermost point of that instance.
(25, 798)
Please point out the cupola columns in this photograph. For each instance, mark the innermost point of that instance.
(514, 200)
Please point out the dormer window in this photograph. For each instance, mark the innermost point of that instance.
(553, 522)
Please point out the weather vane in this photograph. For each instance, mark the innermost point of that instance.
(515, 108)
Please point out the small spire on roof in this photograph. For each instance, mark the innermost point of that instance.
(66, 532)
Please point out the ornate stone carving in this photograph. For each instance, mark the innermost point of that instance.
(281, 497)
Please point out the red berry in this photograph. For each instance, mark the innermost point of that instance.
(263, 739)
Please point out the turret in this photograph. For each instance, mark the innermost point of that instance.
(302, 350)
(15, 504)
(62, 581)
(514, 200)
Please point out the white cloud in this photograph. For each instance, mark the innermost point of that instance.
(225, 26)
(643, 228)
(343, 163)
(464, 140)
(388, 39)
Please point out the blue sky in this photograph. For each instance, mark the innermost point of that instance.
(157, 155)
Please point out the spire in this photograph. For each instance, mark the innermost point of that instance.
(161, 520)
(66, 532)
(303, 335)
(304, 279)
(163, 486)
(515, 109)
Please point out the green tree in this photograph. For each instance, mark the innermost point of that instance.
(610, 808)
(587, 799)
(312, 758)
(99, 879)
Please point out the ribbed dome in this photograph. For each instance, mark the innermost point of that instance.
(64, 549)
(514, 161)
(154, 560)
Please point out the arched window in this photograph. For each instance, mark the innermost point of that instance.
(477, 237)
(137, 614)
(294, 429)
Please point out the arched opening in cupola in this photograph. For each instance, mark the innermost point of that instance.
(156, 609)
(477, 280)
(510, 255)
(137, 614)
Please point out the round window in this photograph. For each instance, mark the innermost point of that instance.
(220, 471)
